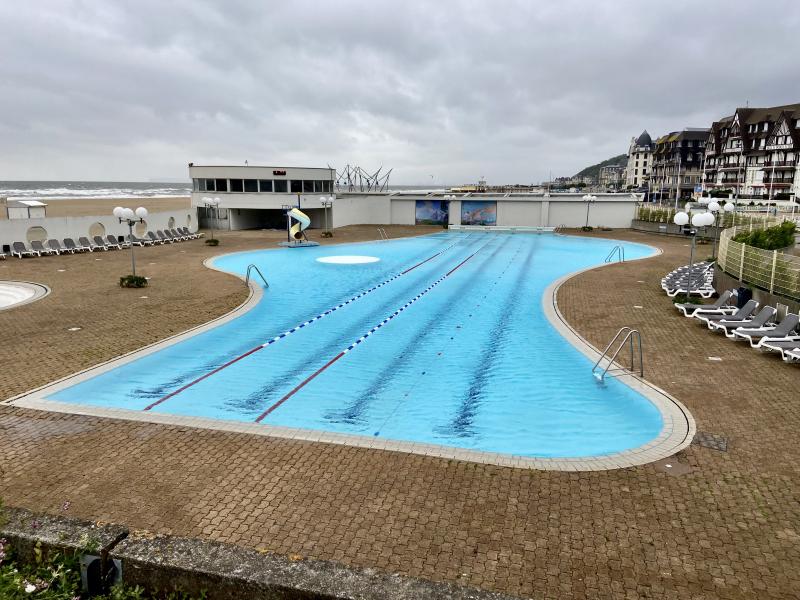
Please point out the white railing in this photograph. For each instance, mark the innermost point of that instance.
(771, 270)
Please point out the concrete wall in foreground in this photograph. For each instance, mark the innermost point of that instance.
(16, 230)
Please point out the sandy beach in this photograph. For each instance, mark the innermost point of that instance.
(84, 207)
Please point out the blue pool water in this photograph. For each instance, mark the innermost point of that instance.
(470, 360)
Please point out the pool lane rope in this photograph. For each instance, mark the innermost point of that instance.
(364, 337)
(302, 325)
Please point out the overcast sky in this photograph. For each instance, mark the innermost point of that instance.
(443, 92)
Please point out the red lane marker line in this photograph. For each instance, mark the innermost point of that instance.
(199, 379)
(296, 328)
(362, 338)
(299, 387)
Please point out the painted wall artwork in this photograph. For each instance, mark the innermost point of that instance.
(479, 212)
(432, 212)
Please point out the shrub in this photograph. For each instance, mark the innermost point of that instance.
(772, 238)
(132, 281)
(686, 299)
(587, 228)
(212, 242)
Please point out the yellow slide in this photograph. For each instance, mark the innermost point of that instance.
(302, 222)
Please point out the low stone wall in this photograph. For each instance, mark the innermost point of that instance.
(669, 229)
(220, 571)
(724, 281)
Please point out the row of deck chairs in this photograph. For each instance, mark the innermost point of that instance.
(759, 328)
(99, 243)
(693, 280)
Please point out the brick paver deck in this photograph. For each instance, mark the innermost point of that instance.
(716, 525)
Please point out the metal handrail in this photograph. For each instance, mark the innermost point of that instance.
(630, 336)
(619, 251)
(382, 233)
(251, 267)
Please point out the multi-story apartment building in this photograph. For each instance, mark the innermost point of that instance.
(678, 163)
(611, 176)
(640, 160)
(754, 153)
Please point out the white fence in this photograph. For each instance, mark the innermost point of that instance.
(770, 270)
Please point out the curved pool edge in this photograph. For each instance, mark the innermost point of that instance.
(40, 291)
(662, 446)
(29, 398)
(678, 427)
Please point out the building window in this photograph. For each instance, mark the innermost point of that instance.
(250, 185)
(264, 185)
(297, 186)
(236, 185)
(207, 185)
(279, 186)
(308, 187)
(222, 185)
(326, 186)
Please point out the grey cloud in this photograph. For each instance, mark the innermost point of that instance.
(509, 90)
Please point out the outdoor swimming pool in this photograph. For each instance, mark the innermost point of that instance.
(442, 340)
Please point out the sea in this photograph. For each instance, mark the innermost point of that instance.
(70, 190)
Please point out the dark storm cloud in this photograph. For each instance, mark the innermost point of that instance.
(444, 91)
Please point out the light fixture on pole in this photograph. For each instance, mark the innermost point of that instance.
(326, 202)
(213, 204)
(589, 199)
(131, 217)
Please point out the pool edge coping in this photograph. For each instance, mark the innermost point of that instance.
(40, 291)
(663, 445)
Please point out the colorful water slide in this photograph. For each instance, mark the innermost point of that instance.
(302, 222)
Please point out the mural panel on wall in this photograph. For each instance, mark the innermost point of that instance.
(432, 212)
(479, 212)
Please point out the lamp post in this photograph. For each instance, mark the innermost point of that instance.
(327, 202)
(212, 203)
(131, 217)
(589, 199)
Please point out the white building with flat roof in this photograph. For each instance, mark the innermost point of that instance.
(257, 197)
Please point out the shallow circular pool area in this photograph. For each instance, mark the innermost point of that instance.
(348, 260)
(15, 293)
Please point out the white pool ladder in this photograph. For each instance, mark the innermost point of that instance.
(382, 233)
(250, 267)
(617, 251)
(631, 338)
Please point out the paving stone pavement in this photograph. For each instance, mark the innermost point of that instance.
(728, 528)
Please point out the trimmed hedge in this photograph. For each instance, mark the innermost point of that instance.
(772, 238)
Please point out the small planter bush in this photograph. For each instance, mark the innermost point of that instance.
(772, 238)
(685, 299)
(212, 242)
(132, 281)
(587, 228)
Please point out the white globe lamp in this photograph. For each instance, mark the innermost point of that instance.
(681, 218)
(141, 212)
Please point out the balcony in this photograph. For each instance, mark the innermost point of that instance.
(777, 182)
(779, 163)
(725, 167)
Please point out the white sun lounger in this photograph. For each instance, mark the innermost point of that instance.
(780, 332)
(727, 326)
(743, 313)
(721, 306)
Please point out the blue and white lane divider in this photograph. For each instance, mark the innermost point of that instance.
(300, 326)
(365, 336)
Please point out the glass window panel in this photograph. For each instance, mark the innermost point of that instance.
(297, 186)
(265, 185)
(250, 185)
(317, 187)
(326, 185)
(308, 187)
(279, 186)
(236, 185)
(222, 185)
